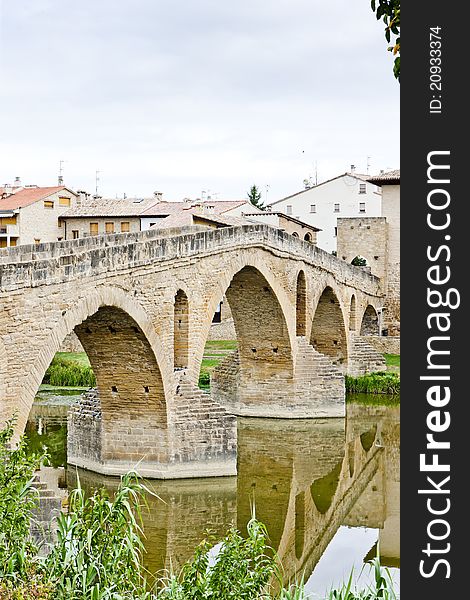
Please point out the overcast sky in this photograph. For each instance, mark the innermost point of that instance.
(181, 96)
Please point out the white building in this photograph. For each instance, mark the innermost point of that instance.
(348, 195)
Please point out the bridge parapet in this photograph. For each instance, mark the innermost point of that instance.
(46, 264)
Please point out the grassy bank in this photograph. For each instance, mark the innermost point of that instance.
(393, 362)
(374, 383)
(97, 553)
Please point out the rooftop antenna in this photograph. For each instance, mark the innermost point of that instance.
(267, 190)
(316, 173)
(60, 179)
(368, 164)
(96, 181)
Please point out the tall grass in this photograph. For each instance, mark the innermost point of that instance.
(62, 372)
(374, 383)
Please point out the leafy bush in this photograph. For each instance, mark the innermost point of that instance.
(18, 498)
(204, 379)
(63, 372)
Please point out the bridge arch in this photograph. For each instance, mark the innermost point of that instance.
(110, 323)
(328, 334)
(264, 320)
(352, 314)
(181, 330)
(301, 304)
(370, 321)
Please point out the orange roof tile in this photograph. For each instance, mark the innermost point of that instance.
(28, 196)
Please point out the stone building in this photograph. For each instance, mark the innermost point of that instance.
(32, 214)
(297, 228)
(177, 214)
(348, 195)
(97, 216)
(377, 240)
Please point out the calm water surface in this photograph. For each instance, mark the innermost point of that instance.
(327, 490)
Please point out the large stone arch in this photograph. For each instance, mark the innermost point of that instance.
(262, 371)
(328, 332)
(370, 321)
(118, 306)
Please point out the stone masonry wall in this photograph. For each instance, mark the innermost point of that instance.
(366, 237)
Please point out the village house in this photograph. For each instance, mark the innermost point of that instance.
(31, 214)
(297, 228)
(348, 195)
(98, 216)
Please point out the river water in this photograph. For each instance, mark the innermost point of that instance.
(326, 489)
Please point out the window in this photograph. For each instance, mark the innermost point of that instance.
(336, 208)
(336, 231)
(59, 223)
(93, 228)
(109, 227)
(75, 234)
(289, 209)
(125, 227)
(64, 201)
(362, 188)
(48, 204)
(362, 207)
(313, 208)
(295, 234)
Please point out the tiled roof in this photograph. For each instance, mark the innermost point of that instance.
(107, 207)
(281, 214)
(389, 178)
(10, 189)
(219, 206)
(28, 196)
(354, 175)
(187, 216)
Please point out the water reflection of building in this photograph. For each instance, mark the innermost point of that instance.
(306, 477)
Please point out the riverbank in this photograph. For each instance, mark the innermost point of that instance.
(72, 369)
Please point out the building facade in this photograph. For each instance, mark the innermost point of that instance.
(377, 241)
(32, 215)
(348, 195)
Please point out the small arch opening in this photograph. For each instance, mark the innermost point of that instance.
(181, 331)
(301, 305)
(370, 322)
(352, 314)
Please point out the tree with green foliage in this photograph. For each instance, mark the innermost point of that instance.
(389, 12)
(254, 196)
(359, 261)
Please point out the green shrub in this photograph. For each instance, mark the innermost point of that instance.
(63, 372)
(18, 498)
(374, 383)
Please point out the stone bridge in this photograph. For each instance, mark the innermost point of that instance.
(142, 306)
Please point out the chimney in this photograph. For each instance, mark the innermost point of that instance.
(82, 198)
(353, 168)
(60, 180)
(17, 181)
(158, 195)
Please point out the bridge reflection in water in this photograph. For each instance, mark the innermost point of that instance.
(307, 478)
